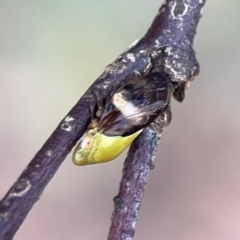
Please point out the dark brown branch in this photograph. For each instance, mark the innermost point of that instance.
(174, 28)
(136, 171)
(166, 46)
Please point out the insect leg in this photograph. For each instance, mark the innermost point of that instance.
(179, 92)
(97, 112)
(162, 121)
(166, 117)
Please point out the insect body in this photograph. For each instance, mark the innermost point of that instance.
(131, 109)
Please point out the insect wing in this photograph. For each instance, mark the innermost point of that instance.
(135, 105)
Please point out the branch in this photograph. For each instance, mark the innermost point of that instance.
(166, 46)
(174, 27)
(136, 171)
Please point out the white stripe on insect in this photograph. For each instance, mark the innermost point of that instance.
(126, 108)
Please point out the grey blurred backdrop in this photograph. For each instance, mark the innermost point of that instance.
(51, 52)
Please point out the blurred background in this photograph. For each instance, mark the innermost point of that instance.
(51, 52)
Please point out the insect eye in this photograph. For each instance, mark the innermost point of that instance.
(87, 142)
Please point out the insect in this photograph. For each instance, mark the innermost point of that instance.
(133, 107)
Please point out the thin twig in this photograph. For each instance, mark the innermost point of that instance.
(166, 46)
(136, 171)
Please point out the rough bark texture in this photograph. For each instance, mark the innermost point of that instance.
(166, 46)
(136, 171)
